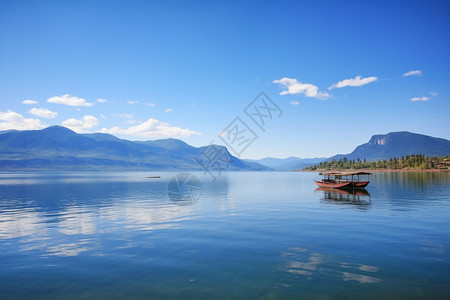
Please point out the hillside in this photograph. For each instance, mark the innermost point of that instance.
(59, 148)
(397, 144)
(408, 162)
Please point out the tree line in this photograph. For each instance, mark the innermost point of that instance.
(410, 162)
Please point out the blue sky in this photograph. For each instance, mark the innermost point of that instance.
(340, 71)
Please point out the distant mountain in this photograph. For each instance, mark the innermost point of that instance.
(59, 148)
(287, 164)
(398, 144)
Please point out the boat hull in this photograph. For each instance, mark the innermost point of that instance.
(334, 184)
(360, 184)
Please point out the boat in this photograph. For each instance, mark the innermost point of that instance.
(344, 180)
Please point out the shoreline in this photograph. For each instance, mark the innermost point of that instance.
(376, 170)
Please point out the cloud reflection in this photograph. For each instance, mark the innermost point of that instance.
(77, 220)
(304, 262)
(68, 249)
(360, 278)
(74, 229)
(21, 223)
(151, 218)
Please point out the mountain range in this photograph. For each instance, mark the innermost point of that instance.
(287, 164)
(381, 146)
(398, 144)
(59, 148)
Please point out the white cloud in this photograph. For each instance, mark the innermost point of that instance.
(69, 100)
(43, 112)
(102, 100)
(13, 120)
(143, 103)
(295, 102)
(295, 87)
(124, 115)
(152, 128)
(29, 102)
(76, 125)
(413, 73)
(434, 94)
(420, 99)
(168, 110)
(357, 81)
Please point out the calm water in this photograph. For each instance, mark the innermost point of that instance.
(249, 236)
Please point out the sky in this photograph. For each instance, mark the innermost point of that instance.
(332, 73)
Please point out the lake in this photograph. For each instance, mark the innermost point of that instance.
(247, 235)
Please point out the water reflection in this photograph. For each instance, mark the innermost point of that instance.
(69, 249)
(66, 215)
(21, 223)
(359, 197)
(415, 180)
(77, 220)
(76, 232)
(184, 189)
(299, 261)
(407, 191)
(109, 234)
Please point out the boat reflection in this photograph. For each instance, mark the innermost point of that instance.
(341, 196)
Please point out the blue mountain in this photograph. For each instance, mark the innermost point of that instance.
(398, 144)
(287, 164)
(381, 146)
(59, 148)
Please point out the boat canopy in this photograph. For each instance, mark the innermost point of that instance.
(344, 173)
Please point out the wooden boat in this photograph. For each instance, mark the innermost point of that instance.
(332, 183)
(344, 180)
